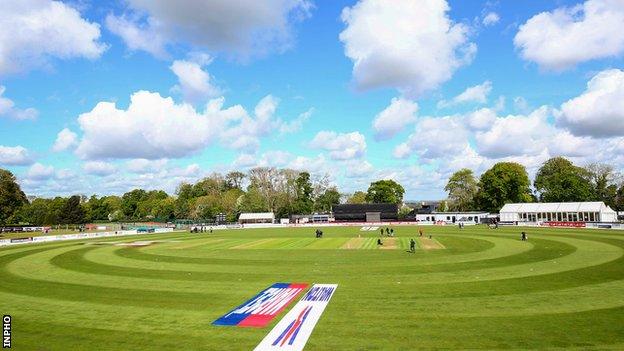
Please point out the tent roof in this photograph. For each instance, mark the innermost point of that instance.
(557, 207)
(258, 215)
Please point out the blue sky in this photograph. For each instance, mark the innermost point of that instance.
(357, 90)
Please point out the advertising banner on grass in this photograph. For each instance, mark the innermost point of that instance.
(293, 331)
(262, 308)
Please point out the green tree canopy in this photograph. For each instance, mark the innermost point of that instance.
(252, 201)
(234, 180)
(558, 180)
(619, 199)
(72, 212)
(303, 202)
(358, 197)
(326, 200)
(462, 189)
(505, 182)
(603, 180)
(130, 203)
(12, 198)
(385, 191)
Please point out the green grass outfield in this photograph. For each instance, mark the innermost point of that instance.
(485, 289)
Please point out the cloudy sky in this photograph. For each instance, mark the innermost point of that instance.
(102, 97)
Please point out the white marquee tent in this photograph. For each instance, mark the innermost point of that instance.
(558, 212)
(260, 217)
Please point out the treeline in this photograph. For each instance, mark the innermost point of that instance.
(557, 180)
(286, 192)
(282, 191)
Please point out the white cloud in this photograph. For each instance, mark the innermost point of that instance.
(194, 83)
(394, 118)
(564, 143)
(296, 124)
(99, 168)
(246, 133)
(599, 111)
(33, 31)
(448, 141)
(477, 94)
(481, 119)
(435, 138)
(515, 135)
(243, 27)
(245, 160)
(7, 106)
(341, 146)
(152, 127)
(275, 158)
(491, 19)
(68, 182)
(531, 137)
(40, 172)
(143, 166)
(358, 169)
(314, 165)
(520, 104)
(410, 45)
(137, 36)
(14, 156)
(567, 36)
(155, 127)
(65, 140)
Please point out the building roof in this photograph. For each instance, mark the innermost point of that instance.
(258, 215)
(557, 207)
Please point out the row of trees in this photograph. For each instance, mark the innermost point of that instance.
(282, 191)
(557, 180)
(286, 192)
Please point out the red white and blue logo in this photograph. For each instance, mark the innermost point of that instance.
(293, 331)
(290, 333)
(260, 310)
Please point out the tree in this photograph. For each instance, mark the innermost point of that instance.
(212, 185)
(130, 203)
(12, 198)
(358, 197)
(182, 202)
(265, 180)
(234, 180)
(404, 211)
(164, 209)
(99, 209)
(229, 203)
(505, 182)
(443, 206)
(603, 180)
(385, 191)
(56, 207)
(558, 180)
(619, 199)
(462, 189)
(205, 207)
(326, 200)
(72, 212)
(36, 212)
(304, 202)
(252, 201)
